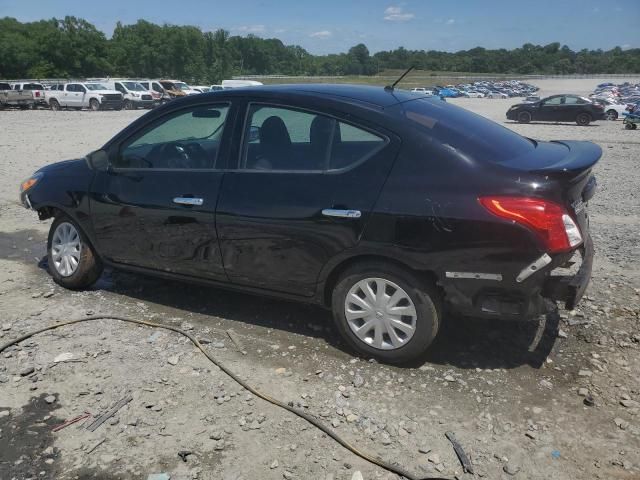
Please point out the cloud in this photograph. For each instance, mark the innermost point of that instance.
(321, 34)
(397, 14)
(252, 29)
(451, 21)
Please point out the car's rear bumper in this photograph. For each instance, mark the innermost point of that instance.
(507, 297)
(569, 289)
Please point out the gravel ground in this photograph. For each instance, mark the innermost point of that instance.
(558, 399)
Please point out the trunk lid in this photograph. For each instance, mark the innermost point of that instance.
(568, 164)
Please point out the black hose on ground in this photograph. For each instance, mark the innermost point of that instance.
(312, 420)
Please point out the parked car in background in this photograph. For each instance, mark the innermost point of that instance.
(15, 98)
(531, 99)
(612, 109)
(134, 95)
(240, 83)
(349, 228)
(423, 90)
(78, 95)
(558, 108)
(158, 93)
(177, 88)
(472, 94)
(215, 88)
(200, 88)
(37, 91)
(495, 94)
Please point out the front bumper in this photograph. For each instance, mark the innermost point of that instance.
(570, 288)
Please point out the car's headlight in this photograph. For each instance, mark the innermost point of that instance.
(30, 182)
(135, 94)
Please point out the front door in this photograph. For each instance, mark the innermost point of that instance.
(155, 207)
(551, 109)
(301, 194)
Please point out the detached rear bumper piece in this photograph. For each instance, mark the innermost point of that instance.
(570, 288)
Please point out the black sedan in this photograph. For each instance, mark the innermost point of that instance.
(558, 108)
(387, 208)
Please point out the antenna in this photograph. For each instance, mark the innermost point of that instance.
(389, 88)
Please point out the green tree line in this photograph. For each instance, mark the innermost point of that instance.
(73, 47)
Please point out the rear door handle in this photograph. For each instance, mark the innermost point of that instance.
(188, 201)
(332, 212)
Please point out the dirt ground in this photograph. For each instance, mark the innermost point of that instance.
(556, 399)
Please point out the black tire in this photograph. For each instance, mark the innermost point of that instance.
(426, 300)
(94, 104)
(612, 115)
(128, 105)
(583, 119)
(524, 117)
(628, 126)
(89, 265)
(55, 106)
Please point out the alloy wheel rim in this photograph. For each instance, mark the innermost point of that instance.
(66, 249)
(380, 313)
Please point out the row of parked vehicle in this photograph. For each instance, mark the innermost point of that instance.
(103, 94)
(618, 100)
(481, 89)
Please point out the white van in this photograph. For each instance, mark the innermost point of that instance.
(240, 83)
(134, 95)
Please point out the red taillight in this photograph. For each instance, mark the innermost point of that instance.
(37, 94)
(547, 219)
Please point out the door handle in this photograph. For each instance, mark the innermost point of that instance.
(188, 201)
(332, 212)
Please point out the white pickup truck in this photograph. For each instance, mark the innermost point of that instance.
(94, 96)
(35, 89)
(14, 98)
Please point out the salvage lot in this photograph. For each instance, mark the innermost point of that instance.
(518, 413)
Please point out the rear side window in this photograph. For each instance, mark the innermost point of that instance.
(288, 139)
(464, 133)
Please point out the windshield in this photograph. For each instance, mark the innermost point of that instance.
(95, 86)
(464, 133)
(134, 86)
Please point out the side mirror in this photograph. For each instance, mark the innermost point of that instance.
(254, 134)
(98, 160)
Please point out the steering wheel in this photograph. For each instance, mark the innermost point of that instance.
(183, 155)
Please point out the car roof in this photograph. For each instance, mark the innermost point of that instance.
(377, 96)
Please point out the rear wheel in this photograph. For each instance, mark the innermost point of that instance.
(94, 104)
(386, 312)
(72, 262)
(583, 119)
(524, 117)
(612, 115)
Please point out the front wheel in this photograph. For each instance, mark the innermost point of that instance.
(94, 104)
(128, 105)
(72, 262)
(386, 312)
(524, 117)
(583, 119)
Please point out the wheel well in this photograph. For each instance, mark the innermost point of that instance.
(48, 212)
(332, 278)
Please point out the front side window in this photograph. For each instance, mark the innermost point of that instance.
(71, 88)
(286, 139)
(554, 101)
(188, 139)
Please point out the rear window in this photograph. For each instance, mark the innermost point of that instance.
(465, 133)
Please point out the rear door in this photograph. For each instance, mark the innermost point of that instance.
(155, 208)
(302, 191)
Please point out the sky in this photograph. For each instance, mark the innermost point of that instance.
(333, 26)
